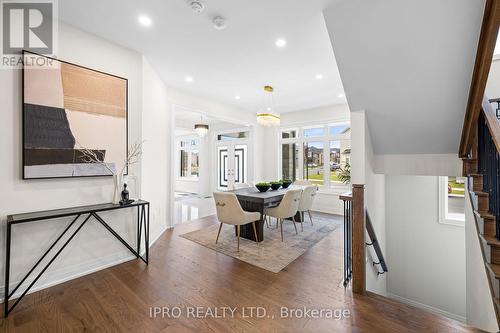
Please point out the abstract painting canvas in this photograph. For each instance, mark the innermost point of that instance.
(69, 112)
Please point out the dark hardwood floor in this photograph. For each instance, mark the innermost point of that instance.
(184, 274)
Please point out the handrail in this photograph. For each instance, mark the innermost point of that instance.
(346, 196)
(376, 245)
(484, 56)
(492, 122)
(349, 243)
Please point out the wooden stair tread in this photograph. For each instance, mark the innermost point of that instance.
(491, 240)
(475, 175)
(486, 215)
(495, 269)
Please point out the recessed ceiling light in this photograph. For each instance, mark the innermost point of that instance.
(340, 95)
(189, 79)
(237, 97)
(319, 76)
(269, 109)
(281, 42)
(145, 21)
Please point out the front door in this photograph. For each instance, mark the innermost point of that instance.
(232, 164)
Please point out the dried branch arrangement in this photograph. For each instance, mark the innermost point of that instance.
(134, 155)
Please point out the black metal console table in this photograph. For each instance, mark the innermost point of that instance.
(89, 211)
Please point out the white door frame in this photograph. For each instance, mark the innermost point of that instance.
(231, 144)
(172, 154)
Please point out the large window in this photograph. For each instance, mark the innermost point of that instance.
(189, 158)
(320, 154)
(452, 200)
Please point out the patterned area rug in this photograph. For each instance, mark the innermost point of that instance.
(272, 254)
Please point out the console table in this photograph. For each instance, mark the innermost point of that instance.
(75, 212)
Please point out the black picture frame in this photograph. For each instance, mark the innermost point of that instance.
(24, 52)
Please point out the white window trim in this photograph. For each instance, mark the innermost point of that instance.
(189, 149)
(444, 217)
(300, 139)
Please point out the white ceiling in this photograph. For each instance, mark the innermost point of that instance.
(191, 118)
(237, 61)
(409, 64)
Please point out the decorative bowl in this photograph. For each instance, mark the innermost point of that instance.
(263, 187)
(286, 183)
(276, 186)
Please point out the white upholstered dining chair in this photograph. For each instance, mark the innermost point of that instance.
(229, 211)
(306, 202)
(286, 209)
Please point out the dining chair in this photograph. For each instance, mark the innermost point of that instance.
(287, 208)
(306, 202)
(229, 211)
(302, 182)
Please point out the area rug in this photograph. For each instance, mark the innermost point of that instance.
(272, 254)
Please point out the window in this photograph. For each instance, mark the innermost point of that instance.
(313, 132)
(194, 163)
(189, 158)
(289, 134)
(232, 136)
(340, 161)
(289, 161)
(452, 200)
(184, 163)
(314, 162)
(323, 151)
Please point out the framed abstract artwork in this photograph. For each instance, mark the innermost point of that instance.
(72, 113)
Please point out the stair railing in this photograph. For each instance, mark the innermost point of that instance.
(488, 148)
(356, 221)
(347, 199)
(379, 262)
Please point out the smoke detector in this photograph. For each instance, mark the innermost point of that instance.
(219, 23)
(196, 5)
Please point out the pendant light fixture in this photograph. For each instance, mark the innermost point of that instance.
(201, 129)
(269, 118)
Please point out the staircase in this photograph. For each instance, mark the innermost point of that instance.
(482, 168)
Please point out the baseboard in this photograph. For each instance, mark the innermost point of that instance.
(67, 274)
(427, 307)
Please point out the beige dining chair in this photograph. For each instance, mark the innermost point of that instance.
(306, 202)
(229, 211)
(286, 209)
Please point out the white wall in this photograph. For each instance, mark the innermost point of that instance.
(493, 84)
(419, 164)
(479, 304)
(426, 259)
(399, 61)
(94, 247)
(375, 207)
(358, 147)
(156, 122)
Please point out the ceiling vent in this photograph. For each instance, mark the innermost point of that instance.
(196, 5)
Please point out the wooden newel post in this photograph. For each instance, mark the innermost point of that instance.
(358, 239)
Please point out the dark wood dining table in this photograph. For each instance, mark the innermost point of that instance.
(252, 200)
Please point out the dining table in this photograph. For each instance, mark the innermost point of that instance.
(252, 200)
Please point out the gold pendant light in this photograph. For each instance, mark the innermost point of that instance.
(269, 118)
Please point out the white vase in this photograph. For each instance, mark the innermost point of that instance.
(117, 188)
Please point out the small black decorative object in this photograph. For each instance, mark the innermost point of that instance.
(125, 197)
